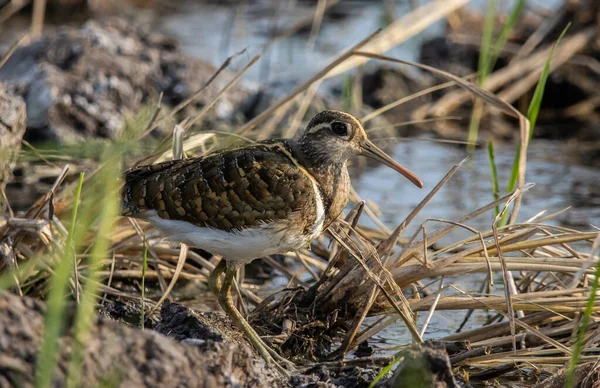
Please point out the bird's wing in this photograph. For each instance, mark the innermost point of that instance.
(229, 190)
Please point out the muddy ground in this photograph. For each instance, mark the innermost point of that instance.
(178, 347)
(184, 349)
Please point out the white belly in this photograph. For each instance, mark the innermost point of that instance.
(241, 246)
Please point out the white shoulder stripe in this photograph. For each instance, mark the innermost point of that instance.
(319, 204)
(320, 218)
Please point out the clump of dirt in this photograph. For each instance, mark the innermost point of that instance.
(127, 312)
(208, 329)
(181, 323)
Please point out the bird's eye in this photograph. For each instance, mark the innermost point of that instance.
(339, 129)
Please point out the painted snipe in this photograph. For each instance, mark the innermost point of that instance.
(245, 203)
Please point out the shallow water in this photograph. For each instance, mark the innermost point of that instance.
(233, 28)
(557, 185)
(216, 31)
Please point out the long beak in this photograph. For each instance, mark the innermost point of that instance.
(372, 151)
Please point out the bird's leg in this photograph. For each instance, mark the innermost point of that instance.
(214, 281)
(226, 302)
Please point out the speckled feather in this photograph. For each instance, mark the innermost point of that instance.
(229, 190)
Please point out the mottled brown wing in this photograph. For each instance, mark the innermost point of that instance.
(233, 189)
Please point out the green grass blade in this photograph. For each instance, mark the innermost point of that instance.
(106, 194)
(585, 320)
(144, 268)
(514, 172)
(532, 114)
(53, 324)
(538, 94)
(483, 66)
(384, 371)
(488, 56)
(347, 94)
(513, 17)
(474, 125)
(494, 175)
(483, 69)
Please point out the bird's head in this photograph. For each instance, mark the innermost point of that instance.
(334, 137)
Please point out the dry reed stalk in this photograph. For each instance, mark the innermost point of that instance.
(152, 275)
(154, 123)
(565, 304)
(227, 87)
(180, 263)
(301, 88)
(316, 24)
(12, 48)
(404, 28)
(37, 18)
(392, 105)
(12, 8)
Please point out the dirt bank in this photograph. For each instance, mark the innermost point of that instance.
(194, 354)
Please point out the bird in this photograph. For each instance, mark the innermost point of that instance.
(269, 197)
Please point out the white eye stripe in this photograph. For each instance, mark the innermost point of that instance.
(320, 126)
(317, 127)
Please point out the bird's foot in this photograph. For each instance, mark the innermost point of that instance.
(281, 361)
(284, 366)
